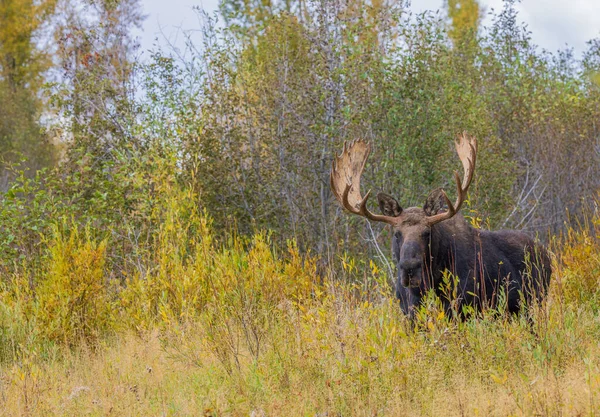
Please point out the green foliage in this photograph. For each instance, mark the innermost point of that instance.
(256, 119)
(23, 63)
(250, 123)
(191, 207)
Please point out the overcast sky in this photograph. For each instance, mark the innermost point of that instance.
(553, 23)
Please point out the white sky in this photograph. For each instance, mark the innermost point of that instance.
(554, 23)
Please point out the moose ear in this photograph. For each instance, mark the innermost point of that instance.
(388, 205)
(434, 203)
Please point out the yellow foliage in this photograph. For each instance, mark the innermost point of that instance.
(238, 327)
(195, 275)
(70, 298)
(465, 16)
(578, 271)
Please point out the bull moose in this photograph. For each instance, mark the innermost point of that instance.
(432, 239)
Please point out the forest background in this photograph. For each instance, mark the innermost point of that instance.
(182, 202)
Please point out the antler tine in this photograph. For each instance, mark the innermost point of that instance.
(466, 148)
(344, 178)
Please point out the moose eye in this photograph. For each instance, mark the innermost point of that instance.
(426, 234)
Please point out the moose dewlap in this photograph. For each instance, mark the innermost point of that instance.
(429, 240)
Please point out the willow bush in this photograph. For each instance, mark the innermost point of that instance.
(242, 129)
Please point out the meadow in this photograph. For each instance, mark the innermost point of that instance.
(169, 243)
(238, 328)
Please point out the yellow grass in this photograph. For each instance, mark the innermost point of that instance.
(355, 361)
(240, 330)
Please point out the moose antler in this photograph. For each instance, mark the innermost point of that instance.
(347, 168)
(466, 148)
(345, 175)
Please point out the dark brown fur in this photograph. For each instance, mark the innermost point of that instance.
(485, 263)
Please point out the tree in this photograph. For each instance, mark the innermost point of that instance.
(95, 51)
(22, 67)
(21, 62)
(464, 16)
(249, 17)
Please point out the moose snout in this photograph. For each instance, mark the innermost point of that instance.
(410, 272)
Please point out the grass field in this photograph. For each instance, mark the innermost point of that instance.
(241, 330)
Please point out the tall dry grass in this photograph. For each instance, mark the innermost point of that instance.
(241, 329)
